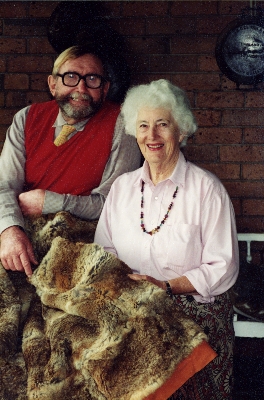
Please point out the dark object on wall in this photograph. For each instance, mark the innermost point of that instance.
(84, 22)
(240, 48)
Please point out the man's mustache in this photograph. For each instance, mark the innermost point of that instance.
(74, 96)
(79, 96)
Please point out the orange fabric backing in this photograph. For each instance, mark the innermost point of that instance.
(197, 360)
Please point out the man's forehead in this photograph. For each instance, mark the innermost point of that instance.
(86, 62)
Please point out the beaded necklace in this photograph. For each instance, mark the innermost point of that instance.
(155, 230)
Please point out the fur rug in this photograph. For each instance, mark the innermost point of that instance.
(81, 329)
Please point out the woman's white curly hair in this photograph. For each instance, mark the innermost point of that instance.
(159, 94)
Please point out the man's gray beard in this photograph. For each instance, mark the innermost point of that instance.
(81, 112)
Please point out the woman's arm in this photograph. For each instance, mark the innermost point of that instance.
(180, 285)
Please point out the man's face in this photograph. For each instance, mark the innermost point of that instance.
(79, 102)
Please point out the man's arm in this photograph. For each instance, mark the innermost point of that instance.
(125, 156)
(12, 175)
(16, 251)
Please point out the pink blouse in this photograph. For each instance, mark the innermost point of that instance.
(198, 239)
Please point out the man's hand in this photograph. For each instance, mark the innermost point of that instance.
(31, 203)
(16, 251)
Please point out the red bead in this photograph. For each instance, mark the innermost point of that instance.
(165, 217)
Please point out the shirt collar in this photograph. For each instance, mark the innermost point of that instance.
(60, 121)
(177, 176)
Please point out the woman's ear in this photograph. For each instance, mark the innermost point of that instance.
(52, 84)
(181, 137)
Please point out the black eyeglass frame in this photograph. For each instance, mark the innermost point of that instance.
(103, 79)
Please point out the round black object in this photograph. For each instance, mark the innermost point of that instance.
(240, 50)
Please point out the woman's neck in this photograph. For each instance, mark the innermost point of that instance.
(160, 172)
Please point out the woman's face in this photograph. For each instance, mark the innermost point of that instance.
(158, 136)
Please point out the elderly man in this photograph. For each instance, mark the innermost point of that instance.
(45, 169)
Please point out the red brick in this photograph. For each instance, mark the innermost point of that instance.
(245, 117)
(250, 224)
(27, 27)
(232, 7)
(30, 63)
(218, 135)
(253, 207)
(207, 63)
(227, 84)
(13, 9)
(129, 26)
(220, 99)
(172, 63)
(16, 81)
(149, 45)
(2, 99)
(40, 46)
(254, 99)
(192, 81)
(144, 8)
(42, 9)
(215, 25)
(16, 99)
(6, 115)
(138, 63)
(139, 79)
(3, 129)
(39, 82)
(12, 45)
(207, 117)
(245, 189)
(253, 171)
(2, 64)
(37, 97)
(165, 25)
(193, 7)
(201, 153)
(237, 206)
(223, 171)
(243, 153)
(254, 135)
(192, 45)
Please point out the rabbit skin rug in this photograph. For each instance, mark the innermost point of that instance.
(79, 328)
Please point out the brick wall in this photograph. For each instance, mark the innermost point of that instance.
(165, 39)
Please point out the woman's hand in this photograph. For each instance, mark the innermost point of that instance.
(180, 285)
(138, 277)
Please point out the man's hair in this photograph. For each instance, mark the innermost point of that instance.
(159, 94)
(77, 51)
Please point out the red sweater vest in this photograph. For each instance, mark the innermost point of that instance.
(76, 167)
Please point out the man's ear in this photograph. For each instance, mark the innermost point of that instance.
(52, 84)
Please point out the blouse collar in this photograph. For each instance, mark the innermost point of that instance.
(177, 177)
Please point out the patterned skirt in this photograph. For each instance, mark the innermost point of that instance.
(215, 381)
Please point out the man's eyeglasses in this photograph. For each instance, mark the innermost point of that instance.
(92, 81)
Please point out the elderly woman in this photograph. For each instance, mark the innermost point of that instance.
(173, 224)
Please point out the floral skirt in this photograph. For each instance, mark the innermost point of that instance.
(215, 381)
